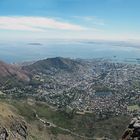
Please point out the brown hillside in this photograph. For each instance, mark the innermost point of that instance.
(8, 70)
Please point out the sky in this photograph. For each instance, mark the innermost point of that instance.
(70, 19)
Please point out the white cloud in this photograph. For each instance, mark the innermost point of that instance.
(36, 24)
(92, 19)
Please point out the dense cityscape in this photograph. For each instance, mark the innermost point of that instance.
(95, 86)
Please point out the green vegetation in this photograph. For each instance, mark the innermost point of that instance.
(86, 125)
(136, 84)
(24, 110)
(56, 131)
(133, 107)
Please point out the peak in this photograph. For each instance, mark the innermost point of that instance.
(57, 63)
(58, 59)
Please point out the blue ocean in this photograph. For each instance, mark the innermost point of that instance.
(15, 52)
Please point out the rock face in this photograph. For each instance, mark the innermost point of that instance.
(3, 133)
(17, 130)
(12, 125)
(20, 129)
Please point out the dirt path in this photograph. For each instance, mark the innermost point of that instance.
(49, 124)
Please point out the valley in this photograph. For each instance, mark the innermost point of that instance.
(82, 99)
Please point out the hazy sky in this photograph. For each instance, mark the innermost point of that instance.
(70, 19)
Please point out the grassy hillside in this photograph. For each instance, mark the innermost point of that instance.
(14, 116)
(84, 125)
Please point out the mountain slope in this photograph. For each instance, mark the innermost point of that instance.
(8, 71)
(18, 122)
(54, 64)
(12, 126)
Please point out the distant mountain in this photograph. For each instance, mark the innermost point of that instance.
(54, 64)
(12, 71)
(35, 44)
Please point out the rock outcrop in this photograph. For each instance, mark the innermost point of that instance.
(3, 133)
(20, 129)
